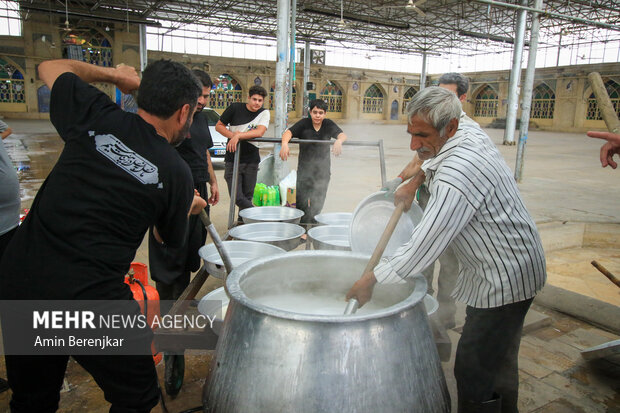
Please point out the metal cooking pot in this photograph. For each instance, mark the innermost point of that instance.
(334, 218)
(330, 237)
(238, 251)
(271, 214)
(271, 359)
(280, 234)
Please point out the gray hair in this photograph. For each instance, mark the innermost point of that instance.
(461, 82)
(435, 105)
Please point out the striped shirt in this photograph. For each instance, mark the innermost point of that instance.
(475, 207)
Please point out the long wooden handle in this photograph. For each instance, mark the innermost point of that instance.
(606, 273)
(606, 108)
(385, 237)
(353, 304)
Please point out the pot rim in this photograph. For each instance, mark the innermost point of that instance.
(238, 295)
(240, 232)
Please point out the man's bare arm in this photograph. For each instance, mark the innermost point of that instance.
(6, 133)
(411, 170)
(286, 138)
(215, 191)
(124, 77)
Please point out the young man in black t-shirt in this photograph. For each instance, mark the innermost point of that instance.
(313, 166)
(117, 175)
(171, 267)
(245, 121)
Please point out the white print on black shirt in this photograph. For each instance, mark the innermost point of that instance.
(122, 156)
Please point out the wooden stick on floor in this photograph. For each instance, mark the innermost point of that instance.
(606, 273)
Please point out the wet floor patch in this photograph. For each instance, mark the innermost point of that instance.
(33, 157)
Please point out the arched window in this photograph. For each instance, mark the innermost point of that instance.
(543, 102)
(225, 90)
(332, 95)
(613, 90)
(373, 100)
(11, 84)
(272, 104)
(87, 46)
(408, 96)
(486, 103)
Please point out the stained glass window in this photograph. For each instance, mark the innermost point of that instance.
(373, 100)
(486, 103)
(543, 102)
(225, 90)
(11, 84)
(332, 95)
(613, 90)
(88, 46)
(407, 97)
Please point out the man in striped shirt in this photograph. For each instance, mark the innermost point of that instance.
(449, 266)
(476, 208)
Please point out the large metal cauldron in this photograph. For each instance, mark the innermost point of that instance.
(273, 360)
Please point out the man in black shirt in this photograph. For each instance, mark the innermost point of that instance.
(171, 267)
(245, 121)
(313, 166)
(117, 175)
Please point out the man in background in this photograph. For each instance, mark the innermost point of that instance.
(240, 123)
(313, 166)
(171, 267)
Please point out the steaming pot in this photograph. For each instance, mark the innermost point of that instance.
(274, 358)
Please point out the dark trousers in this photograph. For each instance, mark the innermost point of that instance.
(245, 183)
(311, 191)
(129, 383)
(171, 267)
(487, 355)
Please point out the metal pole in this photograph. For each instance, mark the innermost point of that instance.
(143, 56)
(557, 62)
(291, 63)
(515, 77)
(306, 101)
(423, 73)
(551, 14)
(233, 190)
(382, 163)
(279, 95)
(526, 98)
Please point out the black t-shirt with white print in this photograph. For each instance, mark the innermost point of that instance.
(114, 178)
(240, 119)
